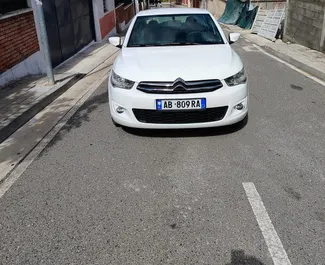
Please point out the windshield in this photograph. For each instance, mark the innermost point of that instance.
(168, 30)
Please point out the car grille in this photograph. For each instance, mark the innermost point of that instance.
(180, 86)
(180, 116)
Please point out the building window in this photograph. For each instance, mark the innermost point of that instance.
(7, 6)
(105, 6)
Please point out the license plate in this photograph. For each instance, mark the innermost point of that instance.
(180, 104)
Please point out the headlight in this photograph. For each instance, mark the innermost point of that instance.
(237, 79)
(120, 82)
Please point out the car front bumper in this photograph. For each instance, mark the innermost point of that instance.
(122, 102)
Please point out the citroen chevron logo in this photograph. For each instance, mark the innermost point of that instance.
(179, 84)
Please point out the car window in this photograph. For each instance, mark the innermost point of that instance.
(168, 30)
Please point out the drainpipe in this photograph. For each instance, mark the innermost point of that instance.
(136, 6)
(205, 4)
(44, 41)
(286, 20)
(322, 40)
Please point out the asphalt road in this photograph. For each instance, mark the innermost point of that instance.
(104, 195)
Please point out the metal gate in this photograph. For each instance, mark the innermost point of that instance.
(271, 24)
(70, 27)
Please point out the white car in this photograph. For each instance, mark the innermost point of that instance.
(176, 69)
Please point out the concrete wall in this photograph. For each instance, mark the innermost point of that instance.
(32, 65)
(305, 23)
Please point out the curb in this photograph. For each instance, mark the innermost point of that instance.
(302, 66)
(45, 100)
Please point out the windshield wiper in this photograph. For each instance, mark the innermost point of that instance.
(186, 43)
(172, 44)
(178, 43)
(141, 45)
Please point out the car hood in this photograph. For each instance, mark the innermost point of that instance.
(169, 63)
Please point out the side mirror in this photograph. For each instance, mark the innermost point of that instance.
(116, 41)
(233, 37)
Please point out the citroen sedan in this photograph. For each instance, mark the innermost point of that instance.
(176, 69)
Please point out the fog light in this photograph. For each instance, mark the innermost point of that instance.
(239, 106)
(120, 110)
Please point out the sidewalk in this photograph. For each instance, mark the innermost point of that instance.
(21, 100)
(308, 60)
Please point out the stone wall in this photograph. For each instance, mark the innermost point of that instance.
(305, 23)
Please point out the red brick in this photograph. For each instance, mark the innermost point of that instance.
(9, 41)
(18, 40)
(9, 38)
(9, 33)
(10, 60)
(9, 28)
(7, 51)
(27, 37)
(11, 52)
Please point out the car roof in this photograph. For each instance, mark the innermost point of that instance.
(171, 11)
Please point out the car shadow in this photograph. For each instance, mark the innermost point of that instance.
(181, 133)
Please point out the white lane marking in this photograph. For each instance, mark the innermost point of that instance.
(19, 170)
(273, 242)
(319, 81)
